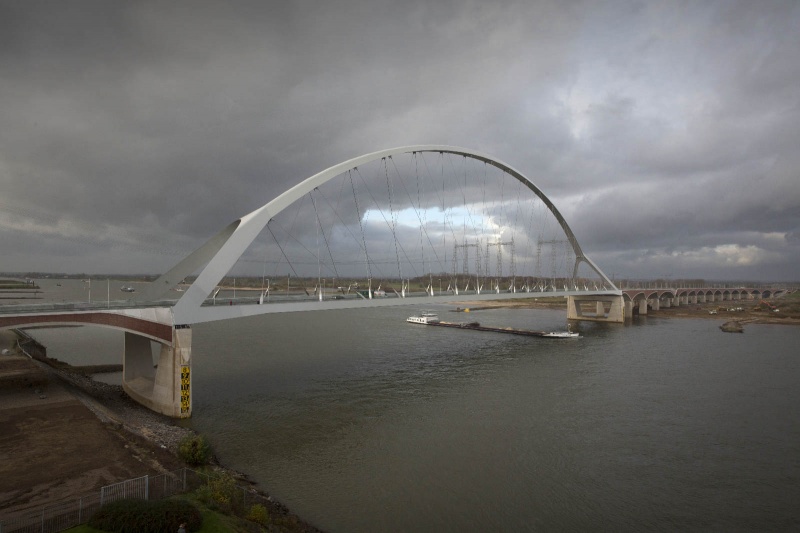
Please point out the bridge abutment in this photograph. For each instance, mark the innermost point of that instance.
(616, 308)
(165, 388)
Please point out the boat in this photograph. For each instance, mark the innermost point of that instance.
(432, 319)
(561, 334)
(127, 288)
(425, 317)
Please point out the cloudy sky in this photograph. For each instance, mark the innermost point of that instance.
(667, 133)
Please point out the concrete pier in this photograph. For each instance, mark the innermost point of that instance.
(609, 308)
(165, 388)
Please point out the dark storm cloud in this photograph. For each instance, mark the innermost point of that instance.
(663, 131)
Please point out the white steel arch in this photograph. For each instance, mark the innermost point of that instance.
(223, 250)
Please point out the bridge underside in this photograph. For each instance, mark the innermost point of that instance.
(163, 385)
(150, 328)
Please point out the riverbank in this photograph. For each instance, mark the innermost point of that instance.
(68, 435)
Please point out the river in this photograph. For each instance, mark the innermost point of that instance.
(360, 422)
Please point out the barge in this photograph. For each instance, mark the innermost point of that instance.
(428, 318)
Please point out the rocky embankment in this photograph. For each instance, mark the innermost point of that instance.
(111, 404)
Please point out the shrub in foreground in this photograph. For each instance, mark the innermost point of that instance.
(142, 516)
(258, 514)
(221, 493)
(194, 450)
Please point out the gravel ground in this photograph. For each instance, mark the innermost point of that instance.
(111, 404)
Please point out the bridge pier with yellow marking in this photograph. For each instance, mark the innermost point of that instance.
(165, 388)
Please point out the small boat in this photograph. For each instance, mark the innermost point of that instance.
(127, 288)
(425, 317)
(561, 334)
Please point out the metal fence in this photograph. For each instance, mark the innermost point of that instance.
(72, 513)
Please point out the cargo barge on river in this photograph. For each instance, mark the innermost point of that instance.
(429, 318)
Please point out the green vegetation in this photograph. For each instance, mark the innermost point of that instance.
(208, 518)
(194, 450)
(142, 516)
(222, 494)
(213, 522)
(9, 284)
(258, 514)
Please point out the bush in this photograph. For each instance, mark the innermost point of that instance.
(194, 450)
(221, 493)
(142, 516)
(258, 514)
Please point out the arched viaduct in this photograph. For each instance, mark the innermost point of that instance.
(644, 299)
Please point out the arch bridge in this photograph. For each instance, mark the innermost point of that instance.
(414, 225)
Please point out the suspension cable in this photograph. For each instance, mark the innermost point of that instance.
(360, 225)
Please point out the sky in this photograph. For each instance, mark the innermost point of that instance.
(667, 133)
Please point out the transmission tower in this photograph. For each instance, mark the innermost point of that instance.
(500, 245)
(554, 246)
(465, 258)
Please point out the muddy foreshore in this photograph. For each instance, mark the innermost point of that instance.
(146, 428)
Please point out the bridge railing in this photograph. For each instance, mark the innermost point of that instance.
(56, 307)
(278, 297)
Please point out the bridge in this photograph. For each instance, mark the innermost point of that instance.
(414, 225)
(655, 299)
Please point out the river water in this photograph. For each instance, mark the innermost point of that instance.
(360, 422)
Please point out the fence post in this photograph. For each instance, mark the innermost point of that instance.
(80, 509)
(147, 487)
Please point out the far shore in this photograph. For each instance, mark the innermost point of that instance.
(751, 312)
